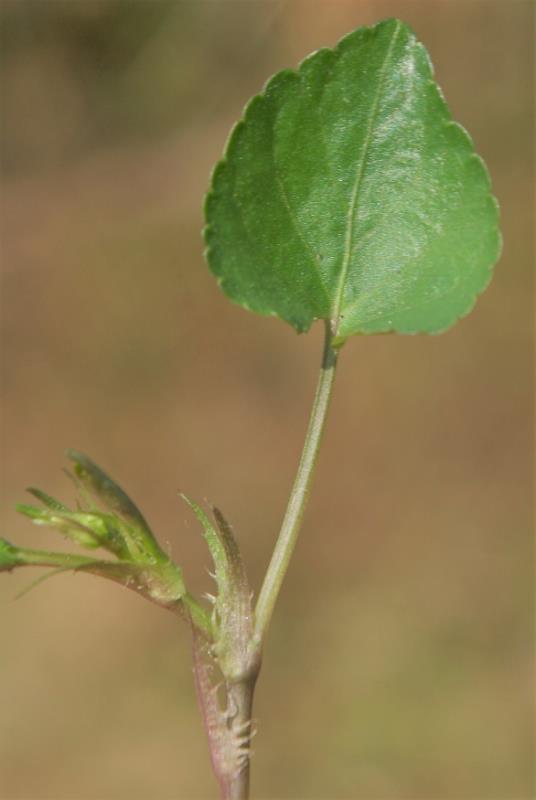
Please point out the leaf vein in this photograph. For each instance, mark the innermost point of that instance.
(294, 222)
(358, 181)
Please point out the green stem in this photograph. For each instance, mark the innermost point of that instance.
(24, 557)
(200, 616)
(300, 491)
(12, 557)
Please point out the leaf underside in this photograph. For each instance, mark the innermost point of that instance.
(347, 193)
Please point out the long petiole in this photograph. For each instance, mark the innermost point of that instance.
(300, 491)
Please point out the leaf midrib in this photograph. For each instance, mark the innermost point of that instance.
(351, 216)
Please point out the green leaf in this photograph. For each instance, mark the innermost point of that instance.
(73, 526)
(347, 193)
(47, 500)
(134, 529)
(233, 618)
(217, 550)
(142, 566)
(88, 528)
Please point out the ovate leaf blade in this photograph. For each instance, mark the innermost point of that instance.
(347, 193)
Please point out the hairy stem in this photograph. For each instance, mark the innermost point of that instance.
(240, 696)
(300, 491)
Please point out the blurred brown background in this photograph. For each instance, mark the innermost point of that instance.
(399, 664)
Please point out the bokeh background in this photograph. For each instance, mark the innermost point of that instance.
(400, 659)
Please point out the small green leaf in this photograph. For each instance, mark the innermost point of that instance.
(142, 565)
(347, 193)
(134, 529)
(89, 529)
(47, 500)
(233, 619)
(236, 572)
(217, 550)
(70, 525)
